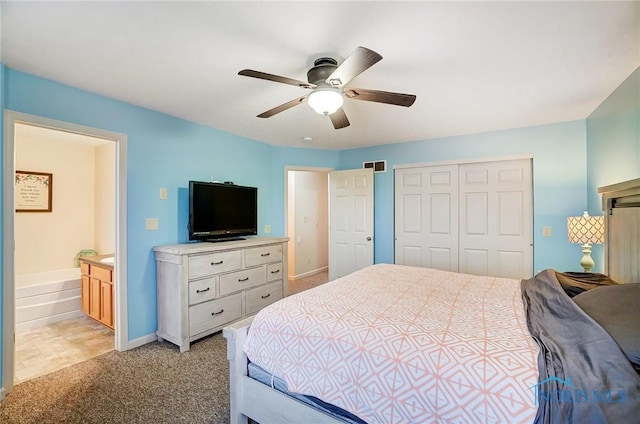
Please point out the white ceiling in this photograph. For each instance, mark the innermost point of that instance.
(474, 66)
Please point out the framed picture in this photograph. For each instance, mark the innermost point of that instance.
(33, 191)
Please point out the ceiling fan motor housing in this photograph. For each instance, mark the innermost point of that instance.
(322, 68)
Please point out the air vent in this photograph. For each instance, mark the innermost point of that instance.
(378, 165)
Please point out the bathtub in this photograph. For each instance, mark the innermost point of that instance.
(46, 297)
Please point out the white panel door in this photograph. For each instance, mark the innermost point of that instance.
(496, 219)
(426, 217)
(350, 221)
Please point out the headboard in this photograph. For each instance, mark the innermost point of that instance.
(621, 206)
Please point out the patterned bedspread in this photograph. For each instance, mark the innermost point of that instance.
(398, 344)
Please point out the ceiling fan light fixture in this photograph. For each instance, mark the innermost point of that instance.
(326, 100)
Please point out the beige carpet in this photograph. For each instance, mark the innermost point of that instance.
(151, 384)
(154, 383)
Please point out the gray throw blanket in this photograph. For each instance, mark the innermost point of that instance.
(584, 377)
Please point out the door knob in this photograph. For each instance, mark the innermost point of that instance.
(368, 238)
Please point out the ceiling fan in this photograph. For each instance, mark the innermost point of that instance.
(327, 81)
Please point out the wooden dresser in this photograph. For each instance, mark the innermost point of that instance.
(97, 289)
(204, 286)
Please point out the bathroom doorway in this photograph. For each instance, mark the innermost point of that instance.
(85, 168)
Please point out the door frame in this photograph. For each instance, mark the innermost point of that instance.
(288, 168)
(8, 327)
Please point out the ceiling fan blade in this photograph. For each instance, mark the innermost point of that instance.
(275, 78)
(283, 107)
(356, 63)
(339, 119)
(398, 99)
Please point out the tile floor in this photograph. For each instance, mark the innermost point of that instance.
(58, 345)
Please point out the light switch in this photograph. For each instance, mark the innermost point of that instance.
(546, 231)
(152, 223)
(163, 193)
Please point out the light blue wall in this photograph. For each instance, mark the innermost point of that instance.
(559, 172)
(613, 139)
(613, 145)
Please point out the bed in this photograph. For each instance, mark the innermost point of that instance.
(398, 344)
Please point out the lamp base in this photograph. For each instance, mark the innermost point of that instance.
(586, 262)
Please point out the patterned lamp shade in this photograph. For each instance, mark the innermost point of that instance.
(586, 229)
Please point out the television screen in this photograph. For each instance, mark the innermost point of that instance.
(222, 211)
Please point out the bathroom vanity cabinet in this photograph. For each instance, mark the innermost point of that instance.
(97, 288)
(204, 286)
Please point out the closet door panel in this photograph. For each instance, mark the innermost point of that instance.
(475, 260)
(497, 217)
(426, 205)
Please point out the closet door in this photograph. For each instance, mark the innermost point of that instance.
(496, 219)
(426, 217)
(475, 218)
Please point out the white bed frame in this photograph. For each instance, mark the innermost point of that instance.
(250, 398)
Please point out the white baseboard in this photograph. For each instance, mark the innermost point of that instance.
(309, 273)
(140, 341)
(2, 393)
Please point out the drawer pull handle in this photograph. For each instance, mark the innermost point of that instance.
(242, 280)
(217, 313)
(265, 254)
(217, 263)
(275, 271)
(205, 290)
(264, 297)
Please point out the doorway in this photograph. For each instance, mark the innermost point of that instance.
(329, 221)
(306, 218)
(14, 124)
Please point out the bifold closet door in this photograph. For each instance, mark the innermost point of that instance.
(496, 219)
(475, 218)
(426, 217)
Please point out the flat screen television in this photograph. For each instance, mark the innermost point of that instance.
(222, 211)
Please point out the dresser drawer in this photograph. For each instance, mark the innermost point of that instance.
(202, 290)
(241, 280)
(262, 296)
(208, 315)
(263, 255)
(274, 272)
(214, 263)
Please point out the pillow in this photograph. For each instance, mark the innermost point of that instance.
(617, 309)
(575, 283)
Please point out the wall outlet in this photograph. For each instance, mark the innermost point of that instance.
(152, 223)
(267, 229)
(163, 193)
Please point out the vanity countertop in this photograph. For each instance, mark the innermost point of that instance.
(99, 260)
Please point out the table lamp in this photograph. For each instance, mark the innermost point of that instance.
(586, 230)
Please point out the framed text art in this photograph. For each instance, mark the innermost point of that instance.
(33, 191)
